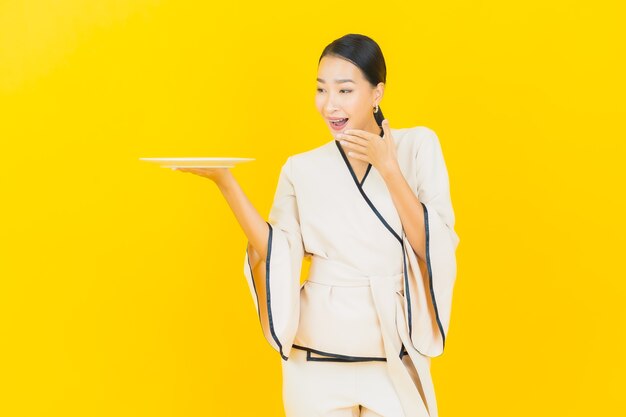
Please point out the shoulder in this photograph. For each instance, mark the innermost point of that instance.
(311, 157)
(317, 152)
(415, 139)
(422, 134)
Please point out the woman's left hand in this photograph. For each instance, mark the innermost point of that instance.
(369, 147)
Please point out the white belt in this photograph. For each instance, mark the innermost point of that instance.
(388, 295)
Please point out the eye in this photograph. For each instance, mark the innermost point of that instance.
(319, 90)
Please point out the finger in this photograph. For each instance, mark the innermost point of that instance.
(360, 133)
(352, 138)
(354, 146)
(358, 156)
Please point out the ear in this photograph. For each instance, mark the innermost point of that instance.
(380, 91)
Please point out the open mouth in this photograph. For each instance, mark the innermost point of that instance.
(339, 123)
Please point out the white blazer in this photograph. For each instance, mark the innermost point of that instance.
(367, 296)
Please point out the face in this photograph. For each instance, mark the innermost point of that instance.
(344, 93)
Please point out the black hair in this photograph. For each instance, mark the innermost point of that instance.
(365, 53)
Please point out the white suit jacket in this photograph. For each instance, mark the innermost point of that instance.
(367, 297)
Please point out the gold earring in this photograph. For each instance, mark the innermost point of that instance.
(376, 109)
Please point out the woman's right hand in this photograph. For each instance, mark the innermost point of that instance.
(215, 174)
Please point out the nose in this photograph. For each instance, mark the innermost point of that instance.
(330, 104)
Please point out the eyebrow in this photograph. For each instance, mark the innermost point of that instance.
(345, 80)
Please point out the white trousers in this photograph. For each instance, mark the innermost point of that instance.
(340, 389)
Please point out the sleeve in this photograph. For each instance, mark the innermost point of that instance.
(429, 285)
(275, 281)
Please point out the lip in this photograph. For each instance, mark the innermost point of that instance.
(338, 128)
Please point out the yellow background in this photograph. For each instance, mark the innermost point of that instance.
(122, 288)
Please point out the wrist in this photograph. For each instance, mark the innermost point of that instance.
(391, 172)
(225, 182)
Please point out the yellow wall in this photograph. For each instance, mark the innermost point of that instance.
(122, 290)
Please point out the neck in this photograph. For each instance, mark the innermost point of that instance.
(373, 127)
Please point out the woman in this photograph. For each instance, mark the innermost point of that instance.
(372, 210)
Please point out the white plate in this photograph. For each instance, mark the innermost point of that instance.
(197, 162)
